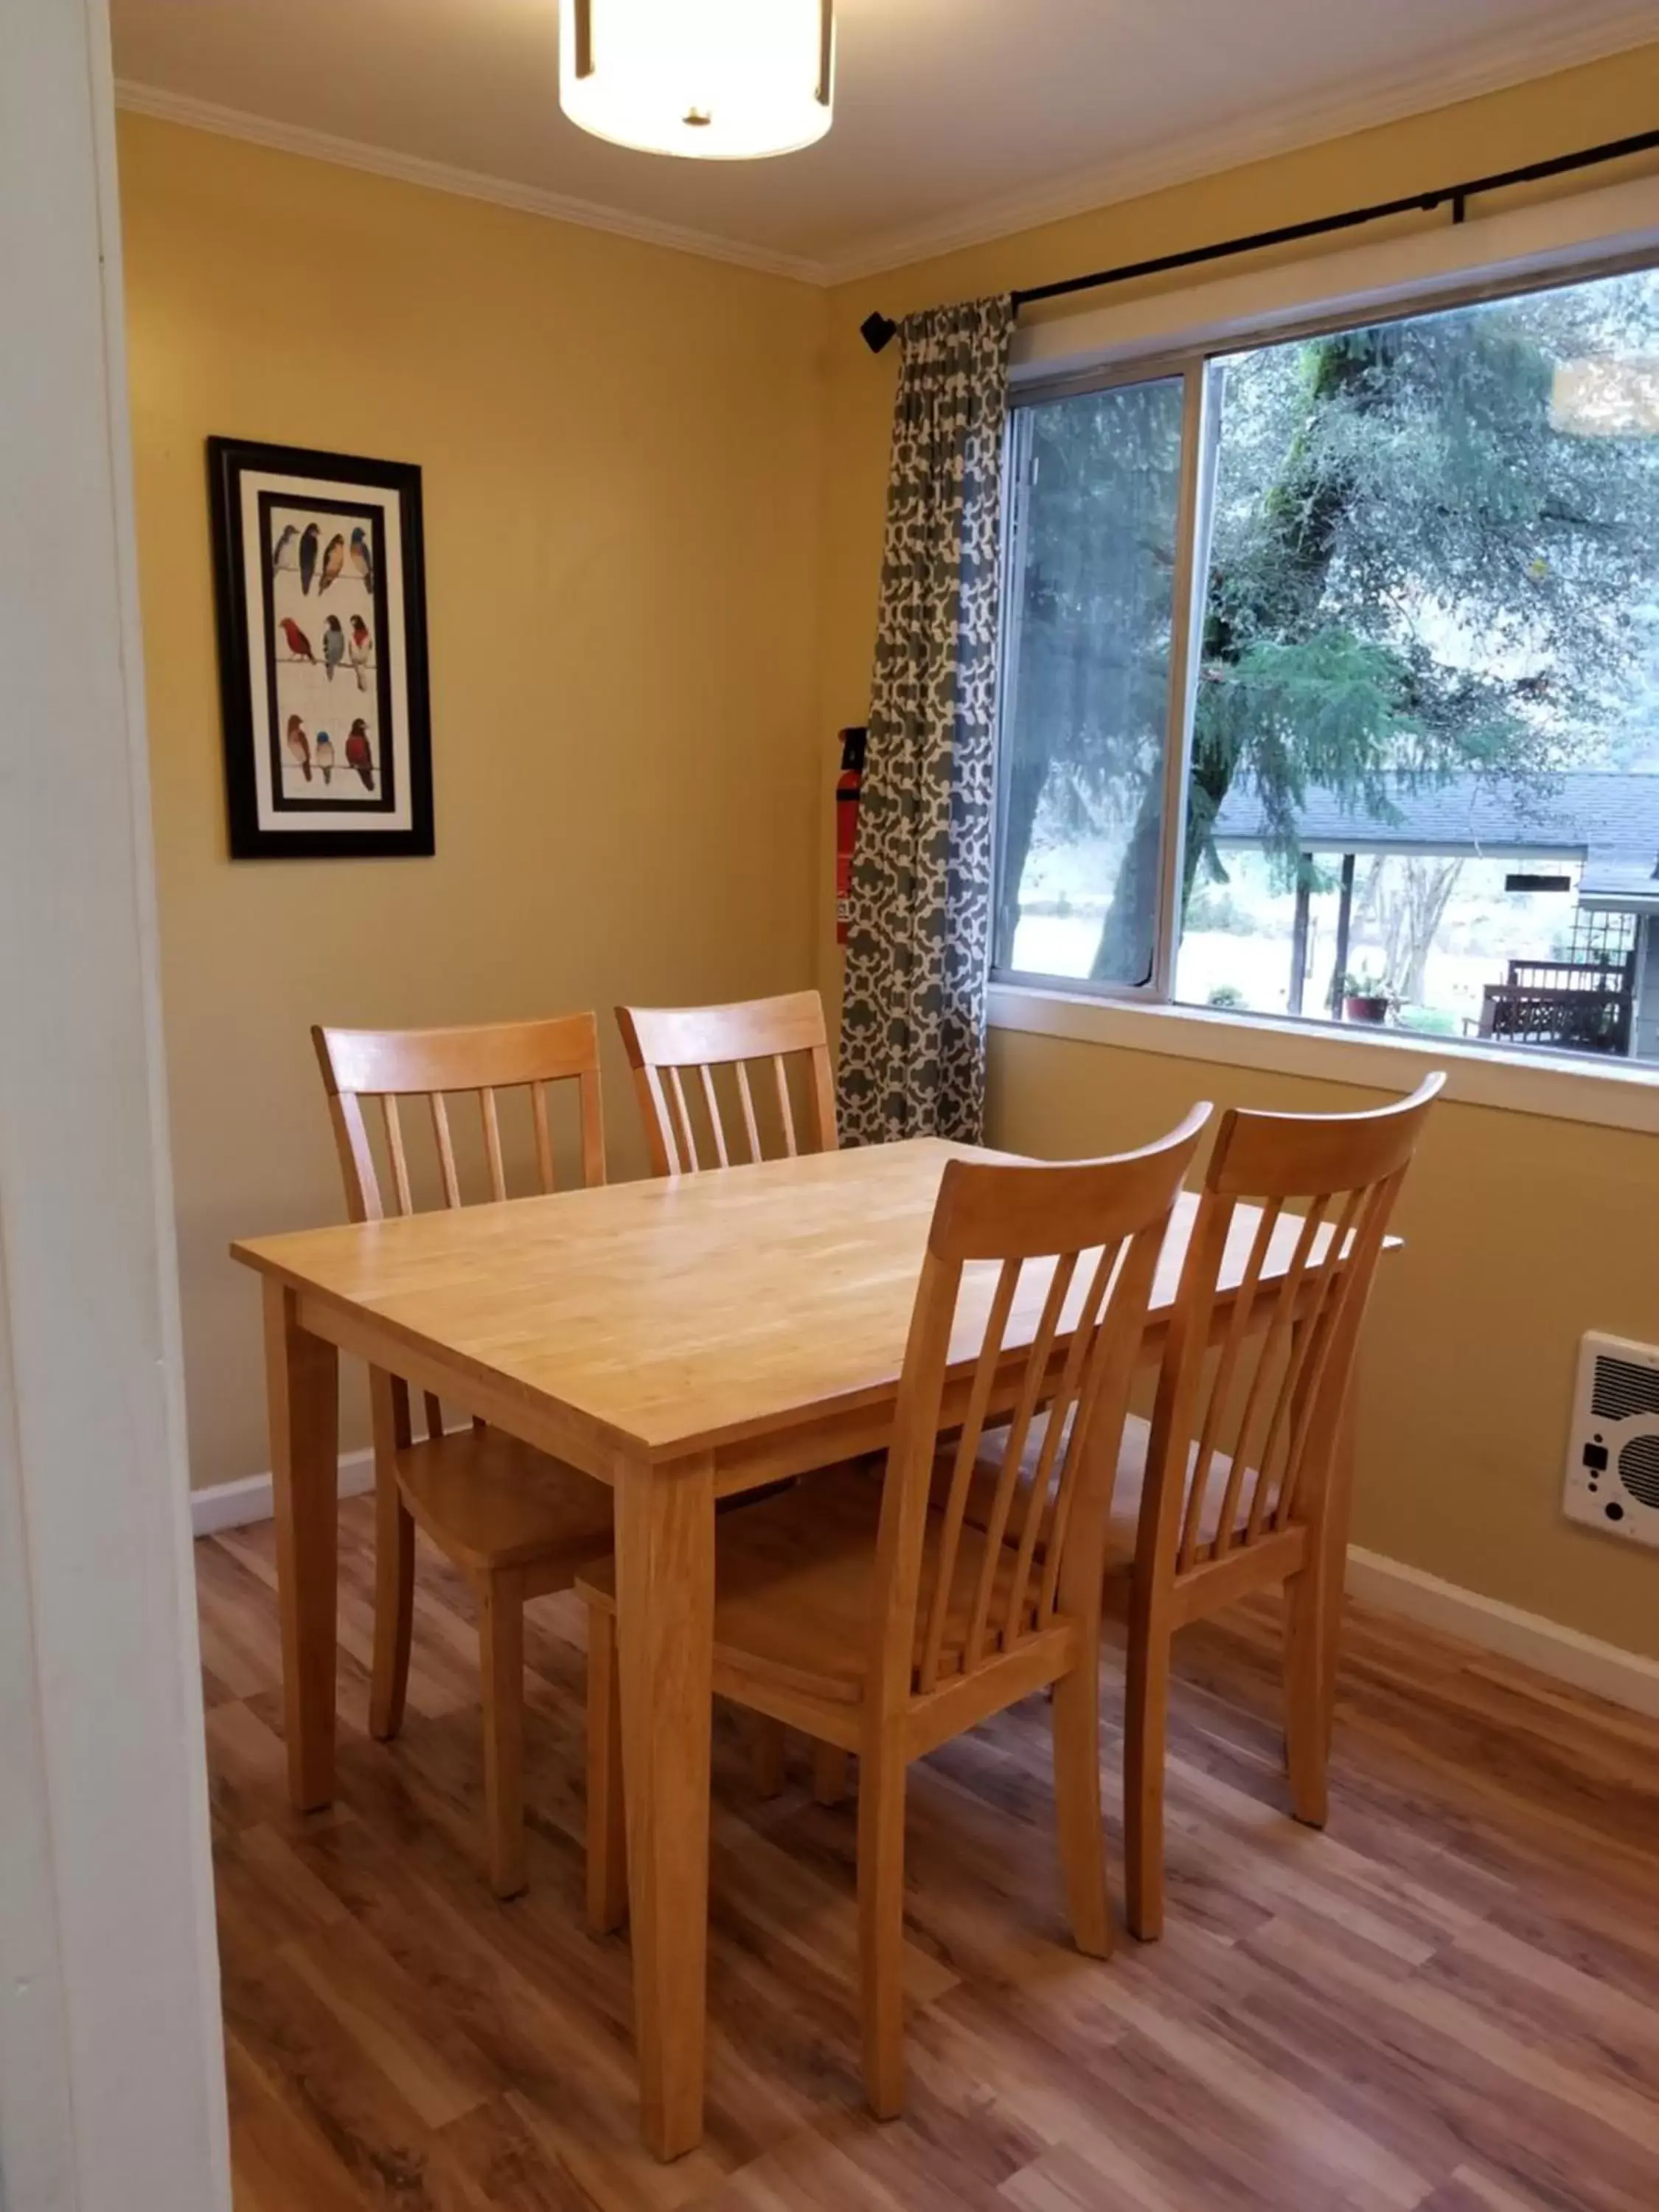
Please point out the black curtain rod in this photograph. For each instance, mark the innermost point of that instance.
(878, 329)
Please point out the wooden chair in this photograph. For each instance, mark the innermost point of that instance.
(516, 1522)
(877, 1620)
(667, 1044)
(1243, 1482)
(677, 1053)
(1248, 1463)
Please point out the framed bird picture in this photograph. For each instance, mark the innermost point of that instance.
(320, 580)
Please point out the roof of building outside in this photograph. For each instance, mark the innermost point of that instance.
(1608, 819)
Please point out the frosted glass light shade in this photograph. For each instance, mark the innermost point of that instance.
(714, 79)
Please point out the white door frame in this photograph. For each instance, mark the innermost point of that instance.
(112, 2078)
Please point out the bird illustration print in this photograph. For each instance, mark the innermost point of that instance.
(324, 755)
(308, 556)
(334, 646)
(298, 644)
(333, 561)
(360, 754)
(279, 551)
(362, 559)
(363, 645)
(299, 745)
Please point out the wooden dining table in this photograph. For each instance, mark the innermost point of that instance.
(683, 1341)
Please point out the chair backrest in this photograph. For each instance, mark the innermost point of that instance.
(1034, 1293)
(1255, 1416)
(675, 1052)
(392, 1066)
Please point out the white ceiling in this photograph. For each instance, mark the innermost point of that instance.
(955, 119)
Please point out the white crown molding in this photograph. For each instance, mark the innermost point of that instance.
(466, 184)
(1593, 35)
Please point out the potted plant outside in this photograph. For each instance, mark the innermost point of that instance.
(1366, 998)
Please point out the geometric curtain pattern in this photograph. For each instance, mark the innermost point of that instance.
(912, 1013)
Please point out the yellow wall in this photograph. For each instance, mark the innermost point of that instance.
(1523, 1232)
(620, 455)
(654, 492)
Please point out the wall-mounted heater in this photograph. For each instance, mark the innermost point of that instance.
(1612, 1451)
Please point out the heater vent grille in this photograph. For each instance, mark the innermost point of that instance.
(1638, 1470)
(1611, 1481)
(1623, 1388)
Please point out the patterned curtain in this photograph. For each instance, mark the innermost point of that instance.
(913, 1009)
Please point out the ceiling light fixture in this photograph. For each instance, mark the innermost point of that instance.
(714, 79)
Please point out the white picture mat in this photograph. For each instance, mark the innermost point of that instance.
(312, 686)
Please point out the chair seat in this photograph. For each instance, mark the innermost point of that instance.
(794, 1582)
(489, 1502)
(1123, 1522)
(1123, 1526)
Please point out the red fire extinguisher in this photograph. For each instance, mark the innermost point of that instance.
(848, 785)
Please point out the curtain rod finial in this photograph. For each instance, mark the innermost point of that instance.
(876, 330)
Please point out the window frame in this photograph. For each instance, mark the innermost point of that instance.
(1196, 364)
(1186, 605)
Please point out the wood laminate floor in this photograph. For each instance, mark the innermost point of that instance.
(1448, 2002)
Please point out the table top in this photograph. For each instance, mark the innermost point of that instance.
(673, 1316)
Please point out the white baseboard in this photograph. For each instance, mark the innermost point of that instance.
(238, 1504)
(1624, 1677)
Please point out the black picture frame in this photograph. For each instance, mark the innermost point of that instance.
(366, 792)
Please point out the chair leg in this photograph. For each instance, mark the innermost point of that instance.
(1075, 1719)
(765, 1754)
(394, 1606)
(881, 1925)
(828, 1773)
(1313, 1628)
(607, 1820)
(501, 1627)
(1307, 1653)
(1146, 1725)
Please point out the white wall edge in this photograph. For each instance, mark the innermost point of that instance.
(112, 2046)
(1624, 1678)
(1389, 1060)
(1592, 34)
(1519, 245)
(165, 106)
(1264, 137)
(239, 1504)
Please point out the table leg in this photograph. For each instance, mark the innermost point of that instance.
(302, 1384)
(665, 1633)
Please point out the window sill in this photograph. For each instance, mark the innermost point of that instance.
(1550, 1087)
